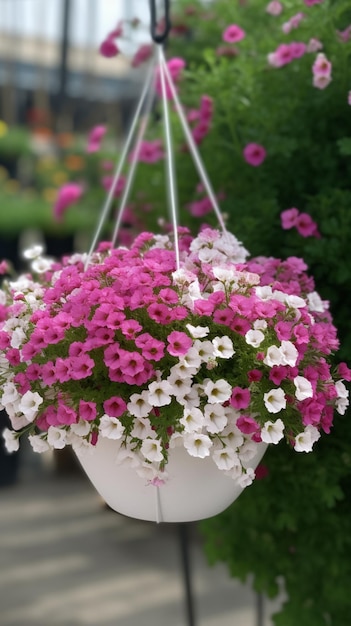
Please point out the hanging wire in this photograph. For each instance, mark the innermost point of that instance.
(191, 143)
(120, 165)
(172, 187)
(135, 155)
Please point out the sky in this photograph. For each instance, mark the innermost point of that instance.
(91, 19)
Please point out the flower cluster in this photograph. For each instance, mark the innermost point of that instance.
(216, 355)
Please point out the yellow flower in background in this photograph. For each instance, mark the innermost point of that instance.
(3, 128)
(59, 178)
(49, 194)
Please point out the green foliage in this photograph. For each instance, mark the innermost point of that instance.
(294, 525)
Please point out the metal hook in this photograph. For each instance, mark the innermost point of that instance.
(159, 37)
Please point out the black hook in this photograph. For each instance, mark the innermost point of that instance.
(156, 36)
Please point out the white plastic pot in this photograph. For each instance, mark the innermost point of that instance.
(195, 488)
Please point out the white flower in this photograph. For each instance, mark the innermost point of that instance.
(142, 428)
(198, 332)
(197, 445)
(41, 265)
(247, 478)
(181, 386)
(111, 427)
(33, 252)
(11, 440)
(138, 404)
(215, 418)
(127, 458)
(192, 359)
(159, 393)
(81, 428)
(217, 391)
(152, 450)
(18, 337)
(273, 356)
(225, 458)
(304, 441)
(204, 350)
(9, 394)
(38, 444)
(272, 432)
(295, 302)
(224, 275)
(223, 347)
(56, 437)
(254, 338)
(260, 325)
(341, 405)
(315, 302)
(190, 399)
(341, 389)
(247, 451)
(275, 400)
(194, 291)
(232, 434)
(289, 353)
(264, 293)
(303, 388)
(183, 277)
(192, 420)
(29, 404)
(236, 472)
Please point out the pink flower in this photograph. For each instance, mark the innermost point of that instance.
(254, 154)
(254, 376)
(4, 268)
(321, 82)
(298, 49)
(349, 98)
(67, 195)
(314, 45)
(306, 226)
(178, 343)
(274, 7)
(247, 425)
(119, 186)
(292, 23)
(233, 34)
(87, 410)
(240, 398)
(149, 152)
(321, 66)
(175, 67)
(115, 406)
(142, 54)
(345, 35)
(96, 135)
(344, 371)
(289, 218)
(109, 48)
(282, 56)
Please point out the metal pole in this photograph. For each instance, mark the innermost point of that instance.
(259, 609)
(185, 562)
(63, 65)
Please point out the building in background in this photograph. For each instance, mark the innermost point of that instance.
(51, 72)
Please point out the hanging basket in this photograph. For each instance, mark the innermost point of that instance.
(165, 365)
(195, 488)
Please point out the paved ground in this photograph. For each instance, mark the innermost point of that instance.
(67, 560)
